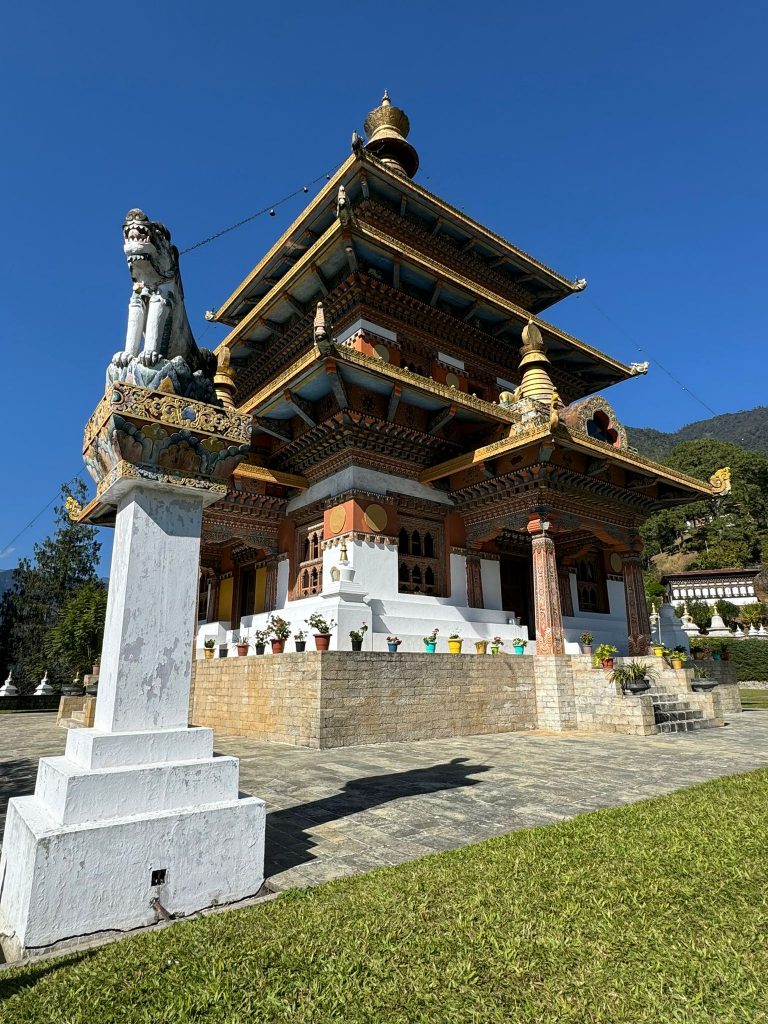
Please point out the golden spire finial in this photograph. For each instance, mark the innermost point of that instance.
(224, 379)
(536, 382)
(386, 128)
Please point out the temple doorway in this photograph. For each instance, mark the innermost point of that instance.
(516, 588)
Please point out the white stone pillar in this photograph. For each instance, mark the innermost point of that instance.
(138, 811)
(147, 652)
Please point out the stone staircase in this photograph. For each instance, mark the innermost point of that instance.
(673, 713)
(76, 712)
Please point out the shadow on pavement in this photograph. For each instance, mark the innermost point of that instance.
(287, 842)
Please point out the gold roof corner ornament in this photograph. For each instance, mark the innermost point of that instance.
(554, 416)
(720, 481)
(73, 507)
(639, 368)
(224, 379)
(387, 128)
(323, 339)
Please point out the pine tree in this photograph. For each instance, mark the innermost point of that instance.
(61, 565)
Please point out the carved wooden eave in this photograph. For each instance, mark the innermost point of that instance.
(666, 487)
(365, 178)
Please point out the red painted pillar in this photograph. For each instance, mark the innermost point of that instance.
(546, 592)
(638, 625)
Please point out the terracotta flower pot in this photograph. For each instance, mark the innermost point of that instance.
(322, 641)
(208, 653)
(454, 646)
(481, 646)
(608, 664)
(278, 646)
(242, 650)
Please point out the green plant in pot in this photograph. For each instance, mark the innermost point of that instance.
(586, 640)
(208, 645)
(634, 677)
(260, 638)
(242, 643)
(454, 643)
(300, 640)
(604, 654)
(496, 644)
(393, 642)
(356, 636)
(519, 645)
(279, 631)
(430, 642)
(677, 656)
(323, 630)
(702, 682)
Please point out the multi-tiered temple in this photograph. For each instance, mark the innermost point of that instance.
(409, 401)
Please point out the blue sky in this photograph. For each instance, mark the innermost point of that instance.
(624, 144)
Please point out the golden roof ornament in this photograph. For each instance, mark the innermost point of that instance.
(720, 481)
(387, 128)
(224, 379)
(73, 507)
(536, 382)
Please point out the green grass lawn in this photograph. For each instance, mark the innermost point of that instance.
(752, 700)
(655, 912)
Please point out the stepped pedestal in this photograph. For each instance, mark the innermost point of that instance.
(138, 819)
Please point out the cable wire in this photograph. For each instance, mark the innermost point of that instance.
(653, 358)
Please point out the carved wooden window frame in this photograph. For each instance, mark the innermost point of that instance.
(591, 586)
(421, 557)
(308, 562)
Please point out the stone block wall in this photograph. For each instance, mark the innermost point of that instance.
(338, 699)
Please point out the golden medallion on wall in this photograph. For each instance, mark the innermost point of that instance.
(615, 562)
(452, 380)
(337, 519)
(381, 352)
(376, 519)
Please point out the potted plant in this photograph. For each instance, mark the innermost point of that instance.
(356, 636)
(242, 643)
(481, 646)
(300, 640)
(322, 630)
(586, 643)
(634, 677)
(454, 643)
(519, 645)
(658, 650)
(208, 645)
(697, 653)
(430, 642)
(260, 638)
(496, 643)
(702, 682)
(604, 655)
(279, 631)
(677, 656)
(74, 689)
(393, 642)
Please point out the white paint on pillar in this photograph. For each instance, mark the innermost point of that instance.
(458, 594)
(147, 653)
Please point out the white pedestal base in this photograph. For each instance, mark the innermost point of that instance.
(65, 881)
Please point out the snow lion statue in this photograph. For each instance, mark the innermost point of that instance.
(156, 312)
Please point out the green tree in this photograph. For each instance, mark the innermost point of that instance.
(726, 532)
(75, 641)
(62, 563)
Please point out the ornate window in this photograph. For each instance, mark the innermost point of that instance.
(601, 428)
(420, 561)
(590, 584)
(309, 562)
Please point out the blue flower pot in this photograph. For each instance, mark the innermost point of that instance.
(392, 648)
(518, 650)
(430, 648)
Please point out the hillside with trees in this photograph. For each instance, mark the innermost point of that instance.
(726, 532)
(748, 429)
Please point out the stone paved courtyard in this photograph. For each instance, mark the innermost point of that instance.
(336, 812)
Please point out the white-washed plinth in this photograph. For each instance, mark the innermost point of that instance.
(138, 810)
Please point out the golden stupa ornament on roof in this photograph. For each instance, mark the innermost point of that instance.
(387, 128)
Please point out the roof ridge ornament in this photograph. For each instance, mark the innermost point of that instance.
(387, 128)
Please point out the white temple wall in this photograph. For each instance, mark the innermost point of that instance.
(610, 628)
(490, 576)
(458, 579)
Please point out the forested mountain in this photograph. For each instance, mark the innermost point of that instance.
(748, 429)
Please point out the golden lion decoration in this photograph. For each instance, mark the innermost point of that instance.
(720, 481)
